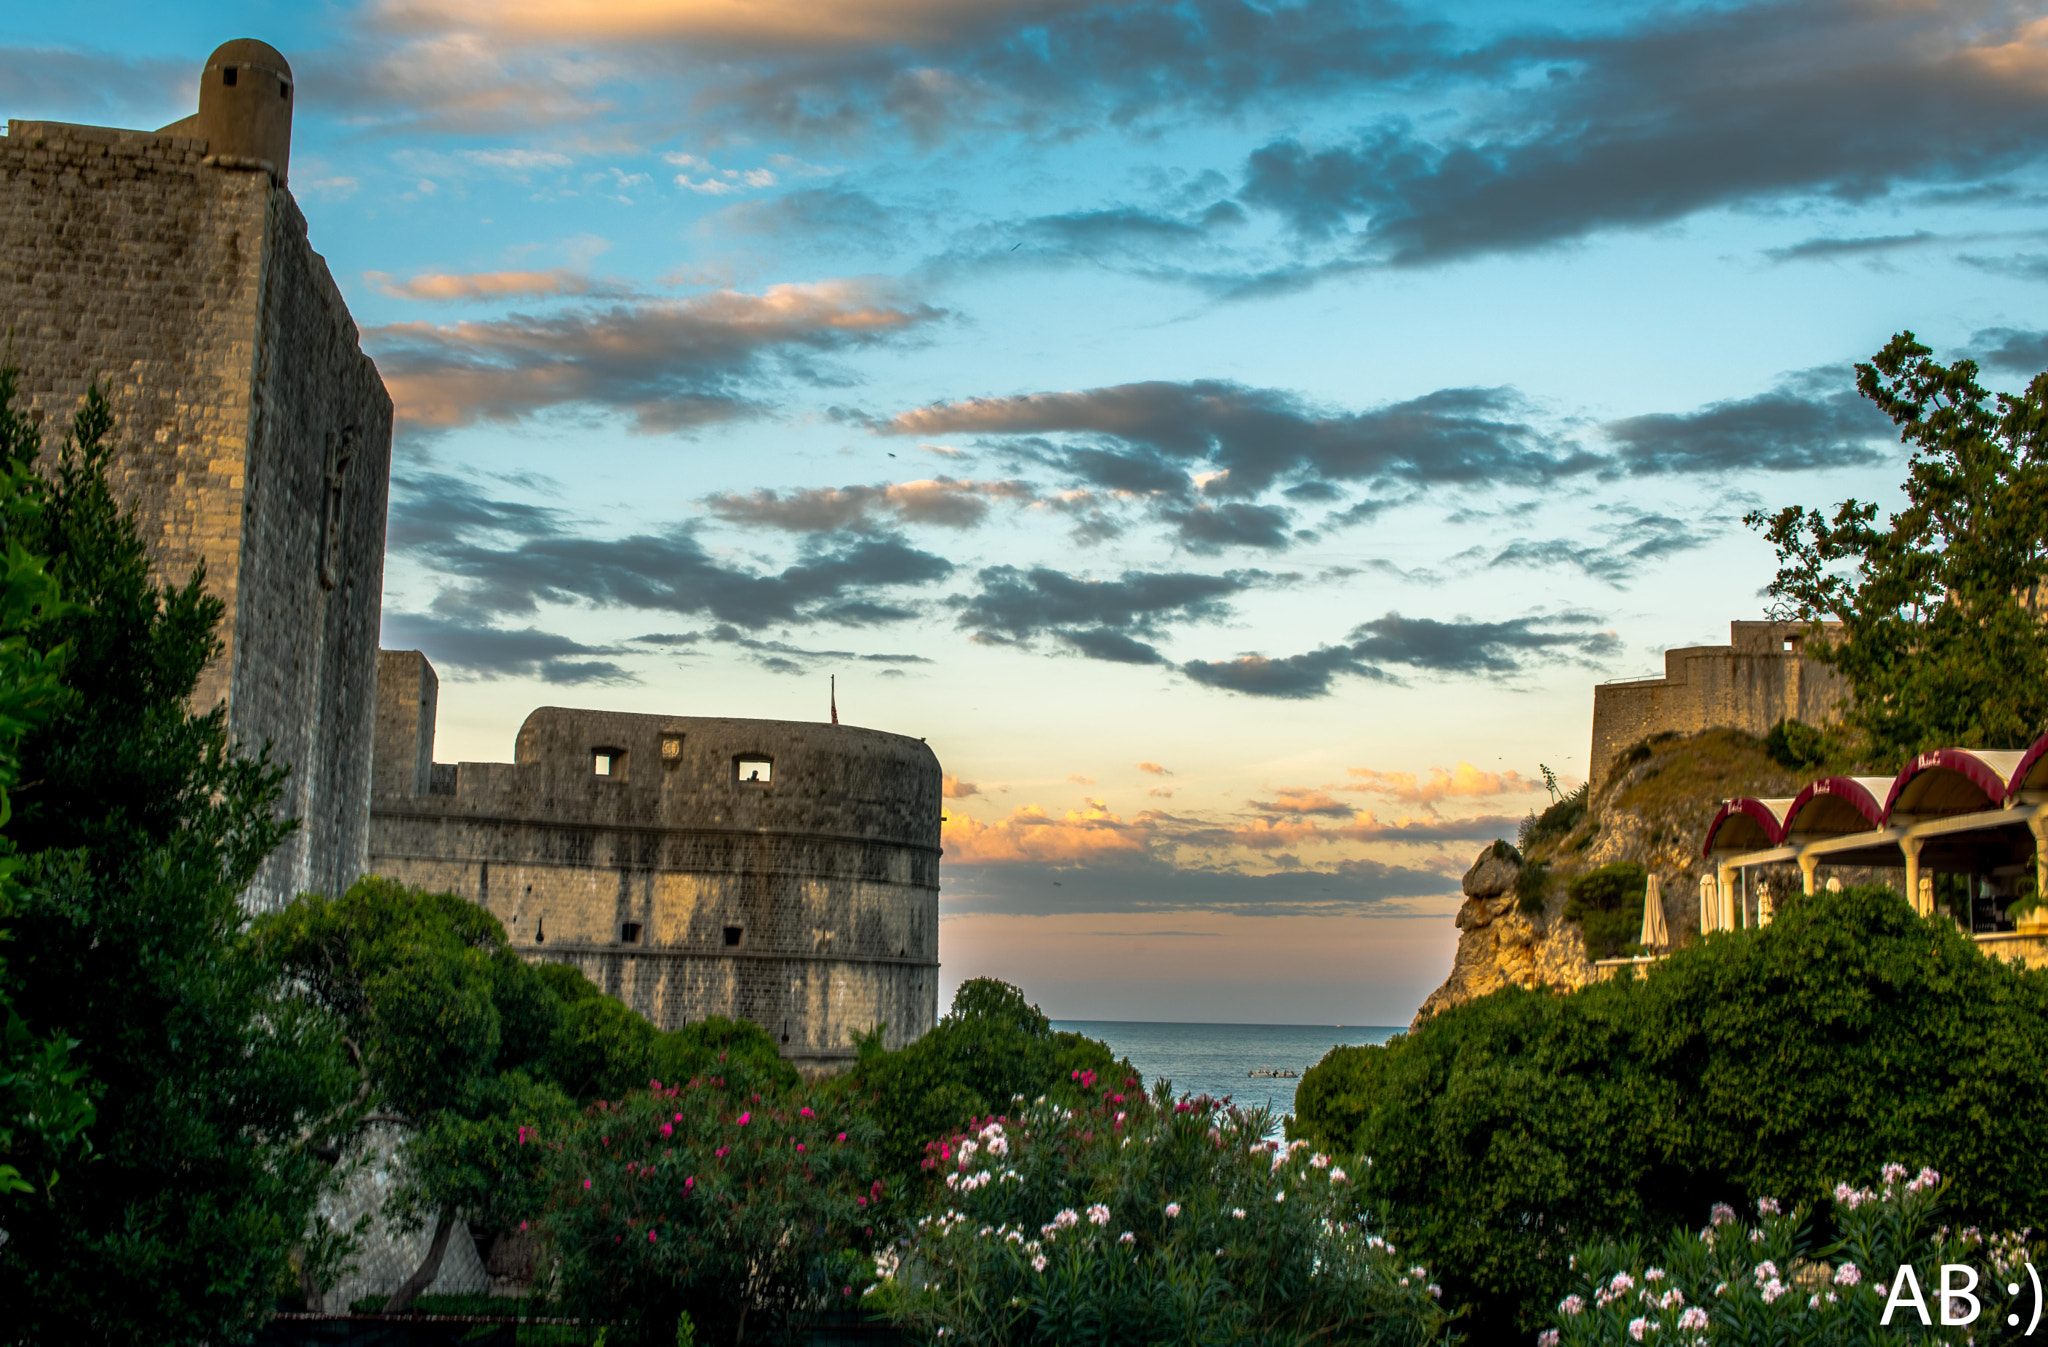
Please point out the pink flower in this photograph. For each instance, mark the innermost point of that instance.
(689, 1183)
(668, 1129)
(650, 1237)
(522, 1225)
(586, 1183)
(842, 1136)
(679, 1117)
(806, 1112)
(744, 1119)
(799, 1145)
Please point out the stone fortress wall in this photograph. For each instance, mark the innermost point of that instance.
(781, 872)
(1758, 679)
(253, 435)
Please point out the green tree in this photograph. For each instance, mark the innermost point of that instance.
(452, 1033)
(992, 1048)
(1942, 640)
(1847, 1034)
(44, 1103)
(138, 825)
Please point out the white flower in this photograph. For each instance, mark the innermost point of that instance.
(1038, 1263)
(1099, 1214)
(1694, 1318)
(1766, 1271)
(1319, 1160)
(1237, 1213)
(1655, 1274)
(1127, 1238)
(1066, 1220)
(1547, 1338)
(1723, 1214)
(952, 1180)
(1767, 1206)
(1572, 1305)
(1637, 1327)
(998, 1147)
(1173, 1209)
(1848, 1274)
(1280, 1196)
(1337, 1176)
(1772, 1290)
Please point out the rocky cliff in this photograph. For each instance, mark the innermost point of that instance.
(1653, 809)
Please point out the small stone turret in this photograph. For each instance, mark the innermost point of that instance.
(245, 107)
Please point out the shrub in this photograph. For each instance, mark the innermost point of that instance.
(1131, 1220)
(1608, 906)
(1565, 814)
(1531, 884)
(1731, 1283)
(1795, 744)
(1507, 1131)
(990, 1050)
(737, 1209)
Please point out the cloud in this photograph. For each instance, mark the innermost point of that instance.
(1255, 437)
(492, 652)
(2020, 266)
(1138, 883)
(38, 82)
(1635, 539)
(2020, 350)
(1831, 249)
(1679, 112)
(817, 215)
(671, 364)
(1153, 769)
(441, 288)
(497, 558)
(1211, 528)
(1303, 801)
(1101, 619)
(943, 501)
(956, 789)
(1463, 782)
(1812, 419)
(1484, 649)
(777, 656)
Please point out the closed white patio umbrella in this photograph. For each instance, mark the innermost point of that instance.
(1656, 935)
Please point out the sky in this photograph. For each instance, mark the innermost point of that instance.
(1236, 436)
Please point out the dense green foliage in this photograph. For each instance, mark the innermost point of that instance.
(1731, 1284)
(45, 1105)
(1136, 1220)
(1797, 745)
(992, 1049)
(1943, 639)
(462, 1043)
(1505, 1132)
(137, 825)
(1607, 903)
(736, 1208)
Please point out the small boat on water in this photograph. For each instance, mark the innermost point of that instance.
(1273, 1073)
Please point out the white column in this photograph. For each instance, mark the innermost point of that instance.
(1911, 847)
(1807, 865)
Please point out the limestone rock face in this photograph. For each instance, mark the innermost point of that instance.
(1491, 875)
(1500, 947)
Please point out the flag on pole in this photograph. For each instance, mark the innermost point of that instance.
(835, 699)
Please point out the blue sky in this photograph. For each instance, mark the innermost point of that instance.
(1235, 436)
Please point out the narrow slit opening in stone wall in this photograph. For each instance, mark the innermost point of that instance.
(629, 933)
(732, 935)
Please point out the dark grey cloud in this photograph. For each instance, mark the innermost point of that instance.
(2017, 349)
(776, 656)
(1484, 649)
(495, 652)
(669, 364)
(1812, 419)
(1099, 618)
(1679, 112)
(945, 501)
(931, 73)
(1151, 436)
(836, 214)
(1153, 884)
(2020, 266)
(1631, 539)
(1833, 249)
(497, 560)
(97, 87)
(1211, 528)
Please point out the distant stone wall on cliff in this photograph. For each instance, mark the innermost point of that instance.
(1759, 678)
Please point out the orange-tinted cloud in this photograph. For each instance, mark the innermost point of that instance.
(1304, 800)
(1080, 780)
(1461, 782)
(956, 789)
(443, 288)
(1153, 769)
(1032, 834)
(747, 23)
(946, 501)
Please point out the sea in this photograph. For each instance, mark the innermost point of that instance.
(1214, 1059)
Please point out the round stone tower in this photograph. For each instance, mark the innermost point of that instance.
(783, 872)
(245, 103)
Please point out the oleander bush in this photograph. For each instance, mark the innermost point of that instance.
(743, 1210)
(1130, 1219)
(1507, 1132)
(1732, 1284)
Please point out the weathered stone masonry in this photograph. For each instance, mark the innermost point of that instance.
(254, 436)
(639, 849)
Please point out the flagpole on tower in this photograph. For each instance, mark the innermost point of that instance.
(835, 699)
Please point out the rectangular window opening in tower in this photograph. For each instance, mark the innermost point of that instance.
(754, 771)
(608, 762)
(732, 935)
(629, 933)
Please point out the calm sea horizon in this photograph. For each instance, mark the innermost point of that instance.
(1214, 1059)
